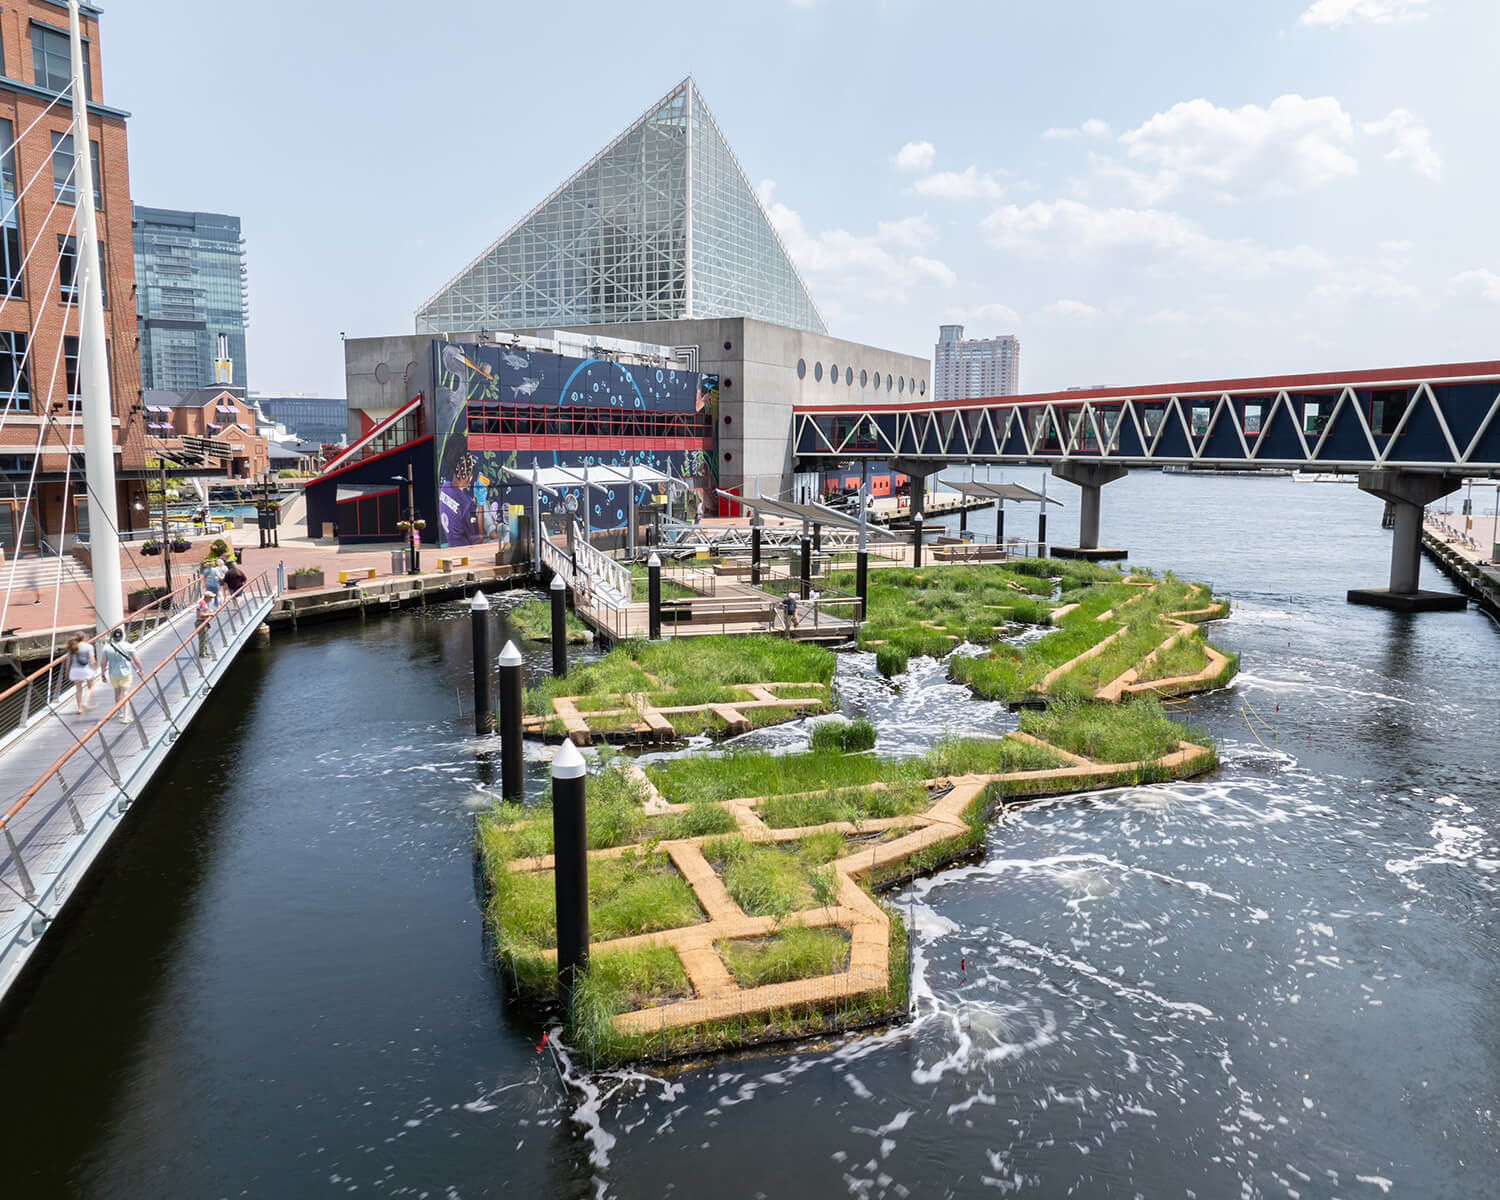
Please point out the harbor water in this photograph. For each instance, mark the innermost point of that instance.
(1279, 980)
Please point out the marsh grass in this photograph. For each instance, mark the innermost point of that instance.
(840, 736)
(533, 622)
(775, 880)
(792, 953)
(1185, 656)
(1135, 731)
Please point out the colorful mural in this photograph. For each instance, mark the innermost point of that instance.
(497, 407)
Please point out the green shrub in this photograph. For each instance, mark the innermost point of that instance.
(845, 736)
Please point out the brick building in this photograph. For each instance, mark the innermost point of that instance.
(39, 392)
(216, 413)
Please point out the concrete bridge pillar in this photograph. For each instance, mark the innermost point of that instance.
(1090, 477)
(1406, 494)
(918, 469)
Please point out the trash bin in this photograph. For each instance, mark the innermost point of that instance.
(398, 562)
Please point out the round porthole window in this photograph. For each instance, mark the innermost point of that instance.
(728, 420)
(864, 378)
(833, 373)
(728, 382)
(729, 345)
(889, 383)
(901, 384)
(728, 457)
(848, 376)
(802, 368)
(922, 388)
(876, 381)
(818, 372)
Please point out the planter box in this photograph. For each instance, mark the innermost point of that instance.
(298, 582)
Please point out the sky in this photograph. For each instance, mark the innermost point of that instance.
(1141, 192)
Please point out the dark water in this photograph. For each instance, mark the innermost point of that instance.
(1281, 980)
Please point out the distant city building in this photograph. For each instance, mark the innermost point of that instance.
(312, 418)
(660, 225)
(215, 414)
(966, 368)
(190, 298)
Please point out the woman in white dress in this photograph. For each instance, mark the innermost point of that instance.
(81, 668)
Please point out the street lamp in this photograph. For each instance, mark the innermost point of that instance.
(413, 565)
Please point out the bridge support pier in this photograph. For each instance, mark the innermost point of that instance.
(1090, 477)
(1406, 494)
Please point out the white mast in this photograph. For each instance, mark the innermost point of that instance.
(93, 365)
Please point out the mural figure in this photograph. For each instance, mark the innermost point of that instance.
(458, 515)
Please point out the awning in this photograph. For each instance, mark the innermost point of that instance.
(813, 514)
(354, 491)
(552, 479)
(995, 491)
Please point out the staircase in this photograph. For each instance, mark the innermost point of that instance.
(35, 571)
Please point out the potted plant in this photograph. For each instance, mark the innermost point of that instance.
(220, 548)
(151, 548)
(180, 545)
(141, 597)
(419, 524)
(305, 577)
(403, 526)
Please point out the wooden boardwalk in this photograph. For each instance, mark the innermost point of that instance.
(67, 781)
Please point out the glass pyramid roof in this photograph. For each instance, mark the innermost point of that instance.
(660, 224)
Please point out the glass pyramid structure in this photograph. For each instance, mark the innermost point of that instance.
(660, 224)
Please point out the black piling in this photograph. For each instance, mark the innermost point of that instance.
(755, 553)
(916, 540)
(558, 590)
(817, 538)
(653, 594)
(512, 762)
(806, 567)
(571, 869)
(1041, 531)
(862, 580)
(479, 634)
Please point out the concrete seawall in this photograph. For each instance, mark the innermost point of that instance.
(1476, 579)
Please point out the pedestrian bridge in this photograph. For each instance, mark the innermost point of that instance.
(1413, 434)
(67, 781)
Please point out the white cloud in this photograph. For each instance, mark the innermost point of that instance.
(1397, 247)
(1377, 12)
(1366, 285)
(1291, 145)
(1413, 141)
(995, 313)
(967, 184)
(1072, 308)
(1093, 127)
(1071, 228)
(915, 156)
(1481, 283)
(876, 263)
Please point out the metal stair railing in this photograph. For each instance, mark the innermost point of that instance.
(608, 580)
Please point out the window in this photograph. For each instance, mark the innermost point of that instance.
(1387, 407)
(864, 378)
(802, 368)
(10, 234)
(70, 358)
(15, 388)
(62, 167)
(923, 387)
(1252, 419)
(1153, 419)
(52, 60)
(67, 266)
(818, 372)
(833, 373)
(901, 384)
(1201, 414)
(1314, 417)
(888, 383)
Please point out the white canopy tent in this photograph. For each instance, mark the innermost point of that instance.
(555, 480)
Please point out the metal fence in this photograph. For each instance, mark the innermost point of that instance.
(91, 772)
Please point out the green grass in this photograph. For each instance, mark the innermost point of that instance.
(1185, 656)
(1134, 731)
(640, 586)
(690, 671)
(776, 880)
(840, 736)
(792, 953)
(532, 621)
(613, 816)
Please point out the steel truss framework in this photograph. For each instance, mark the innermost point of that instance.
(1440, 418)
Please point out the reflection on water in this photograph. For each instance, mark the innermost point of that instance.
(1277, 980)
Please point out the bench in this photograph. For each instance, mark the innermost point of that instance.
(354, 574)
(452, 562)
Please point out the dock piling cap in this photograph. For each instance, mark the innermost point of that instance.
(567, 763)
(654, 560)
(479, 603)
(510, 656)
(557, 583)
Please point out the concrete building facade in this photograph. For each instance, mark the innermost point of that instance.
(966, 368)
(39, 391)
(321, 419)
(191, 298)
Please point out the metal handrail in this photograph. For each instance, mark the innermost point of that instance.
(17, 700)
(592, 562)
(262, 586)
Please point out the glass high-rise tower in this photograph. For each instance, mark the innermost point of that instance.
(190, 289)
(661, 224)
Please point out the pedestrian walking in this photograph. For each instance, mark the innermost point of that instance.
(234, 578)
(211, 579)
(121, 661)
(791, 609)
(205, 610)
(82, 669)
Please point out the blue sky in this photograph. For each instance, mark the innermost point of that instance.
(1140, 191)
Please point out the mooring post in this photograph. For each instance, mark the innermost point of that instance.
(916, 540)
(817, 538)
(570, 869)
(1041, 522)
(755, 551)
(479, 634)
(861, 555)
(806, 567)
(512, 773)
(653, 594)
(558, 591)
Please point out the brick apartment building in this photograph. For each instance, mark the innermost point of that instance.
(39, 312)
(217, 413)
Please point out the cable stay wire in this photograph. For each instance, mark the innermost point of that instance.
(11, 149)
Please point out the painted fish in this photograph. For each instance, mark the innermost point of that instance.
(513, 360)
(525, 387)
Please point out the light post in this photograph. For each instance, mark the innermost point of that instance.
(412, 565)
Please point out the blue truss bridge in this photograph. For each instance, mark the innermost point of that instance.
(1412, 434)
